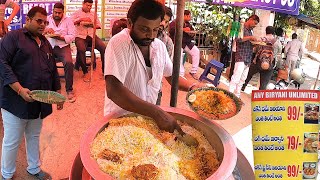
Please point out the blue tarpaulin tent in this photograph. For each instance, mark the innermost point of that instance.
(307, 20)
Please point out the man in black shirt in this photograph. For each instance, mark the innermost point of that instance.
(26, 63)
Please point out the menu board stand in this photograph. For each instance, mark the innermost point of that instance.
(285, 134)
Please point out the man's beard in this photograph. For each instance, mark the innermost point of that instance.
(140, 42)
(56, 18)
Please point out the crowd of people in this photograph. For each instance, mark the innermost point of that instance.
(262, 55)
(134, 62)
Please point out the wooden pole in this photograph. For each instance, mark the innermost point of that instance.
(177, 52)
(93, 39)
(315, 83)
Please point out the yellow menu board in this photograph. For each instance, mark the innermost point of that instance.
(285, 134)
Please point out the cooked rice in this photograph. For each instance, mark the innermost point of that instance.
(138, 141)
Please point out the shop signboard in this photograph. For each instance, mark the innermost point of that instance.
(285, 133)
(115, 9)
(26, 5)
(282, 6)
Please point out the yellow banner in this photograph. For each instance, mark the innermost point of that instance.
(285, 134)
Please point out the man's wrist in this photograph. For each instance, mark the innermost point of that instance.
(19, 91)
(192, 86)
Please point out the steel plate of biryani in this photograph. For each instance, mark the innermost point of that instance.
(214, 103)
(135, 148)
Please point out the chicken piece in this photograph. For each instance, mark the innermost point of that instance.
(110, 155)
(145, 172)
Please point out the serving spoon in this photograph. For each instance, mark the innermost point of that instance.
(186, 138)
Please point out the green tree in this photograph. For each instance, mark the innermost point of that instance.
(214, 19)
(309, 8)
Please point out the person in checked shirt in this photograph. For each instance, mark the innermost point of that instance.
(243, 56)
(60, 33)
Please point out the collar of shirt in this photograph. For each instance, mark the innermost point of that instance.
(27, 32)
(153, 49)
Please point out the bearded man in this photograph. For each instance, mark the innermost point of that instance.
(135, 63)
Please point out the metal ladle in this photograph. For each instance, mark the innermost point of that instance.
(186, 138)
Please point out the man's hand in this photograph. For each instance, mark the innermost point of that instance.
(166, 122)
(86, 19)
(197, 85)
(60, 106)
(255, 39)
(186, 29)
(49, 31)
(25, 93)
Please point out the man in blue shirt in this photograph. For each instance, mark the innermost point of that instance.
(26, 63)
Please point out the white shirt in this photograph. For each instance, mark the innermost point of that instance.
(8, 3)
(124, 60)
(294, 49)
(65, 29)
(82, 31)
(277, 49)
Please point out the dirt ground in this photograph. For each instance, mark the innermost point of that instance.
(62, 130)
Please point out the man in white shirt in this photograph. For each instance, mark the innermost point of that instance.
(293, 51)
(83, 20)
(135, 63)
(277, 47)
(60, 33)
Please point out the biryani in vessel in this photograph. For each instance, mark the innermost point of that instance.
(133, 147)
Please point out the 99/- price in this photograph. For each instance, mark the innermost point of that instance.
(293, 170)
(294, 113)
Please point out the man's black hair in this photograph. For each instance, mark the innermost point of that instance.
(149, 9)
(254, 17)
(279, 32)
(37, 9)
(168, 11)
(58, 6)
(87, 1)
(294, 36)
(186, 12)
(269, 30)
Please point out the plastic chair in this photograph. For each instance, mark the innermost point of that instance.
(218, 66)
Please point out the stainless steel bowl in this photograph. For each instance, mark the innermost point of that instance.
(215, 134)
